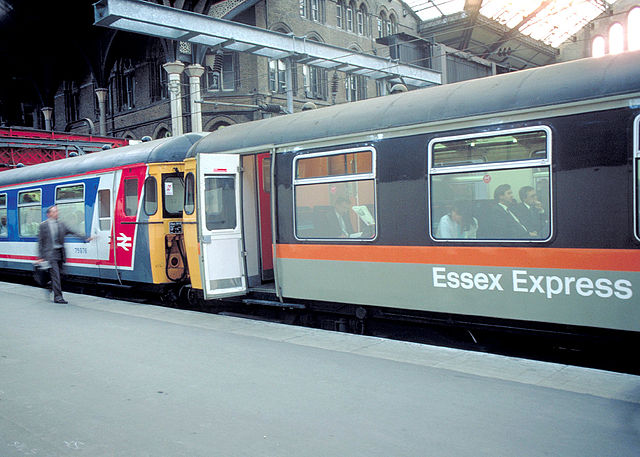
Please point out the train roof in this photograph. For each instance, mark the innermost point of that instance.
(171, 149)
(562, 83)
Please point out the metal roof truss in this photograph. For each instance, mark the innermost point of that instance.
(166, 22)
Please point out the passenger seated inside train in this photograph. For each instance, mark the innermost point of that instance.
(342, 220)
(501, 222)
(458, 223)
(531, 213)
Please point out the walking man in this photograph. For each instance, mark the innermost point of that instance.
(51, 248)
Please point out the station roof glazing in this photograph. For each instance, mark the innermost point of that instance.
(549, 21)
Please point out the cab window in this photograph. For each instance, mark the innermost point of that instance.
(131, 197)
(150, 196)
(173, 195)
(189, 194)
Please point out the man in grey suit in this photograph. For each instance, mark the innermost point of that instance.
(51, 248)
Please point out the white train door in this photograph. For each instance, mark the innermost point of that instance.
(103, 226)
(220, 225)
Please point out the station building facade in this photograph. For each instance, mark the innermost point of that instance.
(137, 95)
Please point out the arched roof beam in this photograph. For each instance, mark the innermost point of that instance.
(515, 30)
(472, 8)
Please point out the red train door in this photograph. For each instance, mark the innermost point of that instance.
(264, 205)
(126, 214)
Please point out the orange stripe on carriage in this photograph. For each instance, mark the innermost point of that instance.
(510, 257)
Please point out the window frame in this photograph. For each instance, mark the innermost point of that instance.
(124, 195)
(225, 78)
(165, 212)
(237, 216)
(23, 205)
(5, 207)
(107, 218)
(190, 177)
(147, 185)
(636, 170)
(71, 200)
(489, 167)
(371, 176)
(58, 202)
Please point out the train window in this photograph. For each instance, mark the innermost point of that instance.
(266, 175)
(220, 202)
(130, 197)
(360, 162)
(335, 195)
(636, 164)
(189, 194)
(104, 209)
(173, 195)
(29, 212)
(3, 216)
(70, 203)
(510, 147)
(491, 187)
(150, 196)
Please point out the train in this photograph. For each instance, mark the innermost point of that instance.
(511, 200)
(128, 199)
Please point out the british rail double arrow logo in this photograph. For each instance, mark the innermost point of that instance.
(124, 241)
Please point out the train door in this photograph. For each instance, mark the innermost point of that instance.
(219, 193)
(103, 226)
(264, 206)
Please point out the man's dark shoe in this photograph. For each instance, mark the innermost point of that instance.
(62, 301)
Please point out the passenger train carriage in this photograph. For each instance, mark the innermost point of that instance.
(353, 205)
(99, 195)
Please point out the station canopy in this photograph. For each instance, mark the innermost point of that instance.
(551, 21)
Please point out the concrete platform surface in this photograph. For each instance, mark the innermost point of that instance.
(104, 378)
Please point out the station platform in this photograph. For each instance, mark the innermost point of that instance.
(99, 378)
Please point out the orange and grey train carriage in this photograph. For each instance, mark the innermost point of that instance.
(129, 199)
(412, 204)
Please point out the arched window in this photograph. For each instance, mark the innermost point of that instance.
(633, 29)
(350, 13)
(597, 47)
(362, 20)
(340, 14)
(392, 26)
(616, 38)
(382, 24)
